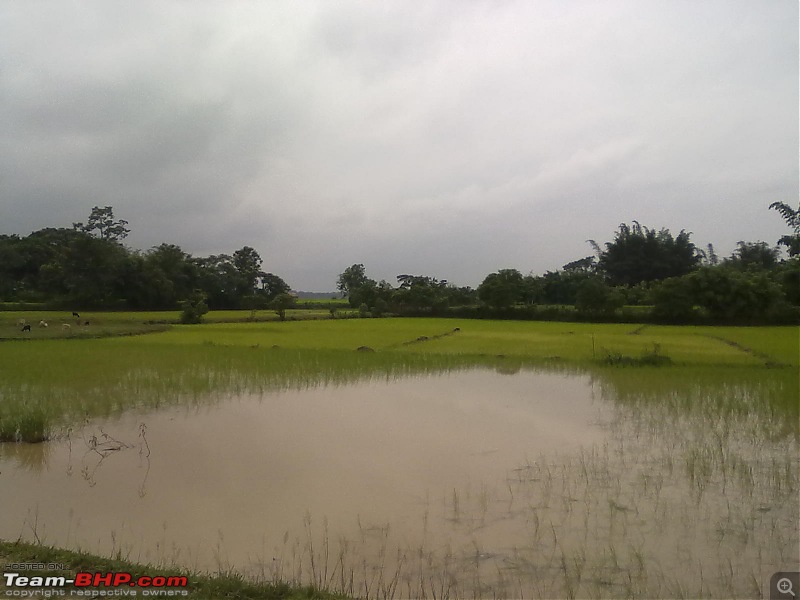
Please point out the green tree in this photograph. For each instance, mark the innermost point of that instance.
(102, 221)
(753, 256)
(502, 289)
(194, 307)
(640, 254)
(595, 298)
(351, 278)
(12, 266)
(792, 218)
(248, 266)
(420, 291)
(87, 271)
(272, 286)
(357, 287)
(735, 296)
(171, 273)
(220, 280)
(561, 287)
(673, 300)
(281, 303)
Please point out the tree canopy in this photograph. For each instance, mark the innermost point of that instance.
(639, 254)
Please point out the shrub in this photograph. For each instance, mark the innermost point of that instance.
(194, 308)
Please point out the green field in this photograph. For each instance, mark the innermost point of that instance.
(528, 340)
(51, 377)
(309, 329)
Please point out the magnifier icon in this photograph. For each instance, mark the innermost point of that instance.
(784, 586)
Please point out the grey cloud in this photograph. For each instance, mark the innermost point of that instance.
(449, 138)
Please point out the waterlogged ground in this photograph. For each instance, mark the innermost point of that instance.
(501, 482)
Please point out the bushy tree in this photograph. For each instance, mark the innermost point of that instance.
(193, 308)
(753, 256)
(673, 300)
(501, 289)
(640, 254)
(272, 286)
(357, 287)
(595, 298)
(731, 295)
(351, 278)
(419, 291)
(281, 303)
(561, 287)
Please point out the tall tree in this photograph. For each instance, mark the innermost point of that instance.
(753, 256)
(272, 286)
(352, 278)
(792, 218)
(640, 254)
(102, 221)
(502, 289)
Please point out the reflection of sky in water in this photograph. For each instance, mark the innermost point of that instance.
(507, 468)
(252, 467)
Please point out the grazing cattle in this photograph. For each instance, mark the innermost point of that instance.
(66, 326)
(26, 328)
(42, 323)
(76, 315)
(86, 324)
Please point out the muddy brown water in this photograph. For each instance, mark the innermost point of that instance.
(251, 468)
(409, 487)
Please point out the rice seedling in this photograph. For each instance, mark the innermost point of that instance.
(691, 493)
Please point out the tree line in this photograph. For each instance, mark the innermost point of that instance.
(675, 280)
(88, 266)
(666, 275)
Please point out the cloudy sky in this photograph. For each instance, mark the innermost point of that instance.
(444, 138)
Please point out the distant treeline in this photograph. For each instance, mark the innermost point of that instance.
(87, 266)
(643, 274)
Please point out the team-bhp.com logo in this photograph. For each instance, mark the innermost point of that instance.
(94, 585)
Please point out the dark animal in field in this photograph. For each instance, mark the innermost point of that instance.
(26, 328)
(76, 315)
(86, 323)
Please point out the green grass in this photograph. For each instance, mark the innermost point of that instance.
(524, 339)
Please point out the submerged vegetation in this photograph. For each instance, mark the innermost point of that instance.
(692, 493)
(52, 380)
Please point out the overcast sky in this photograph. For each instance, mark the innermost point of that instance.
(448, 139)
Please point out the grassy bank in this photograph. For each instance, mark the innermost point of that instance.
(220, 585)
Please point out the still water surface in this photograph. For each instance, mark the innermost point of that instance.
(472, 482)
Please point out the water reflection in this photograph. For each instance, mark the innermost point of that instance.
(481, 482)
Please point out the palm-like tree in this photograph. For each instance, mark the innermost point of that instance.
(792, 218)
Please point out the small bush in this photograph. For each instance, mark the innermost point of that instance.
(194, 308)
(649, 358)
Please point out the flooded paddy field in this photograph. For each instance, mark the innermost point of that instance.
(438, 479)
